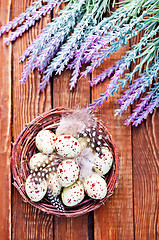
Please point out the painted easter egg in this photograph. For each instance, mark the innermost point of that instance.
(45, 141)
(67, 146)
(95, 186)
(35, 191)
(68, 172)
(73, 195)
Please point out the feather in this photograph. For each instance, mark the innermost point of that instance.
(75, 123)
(55, 200)
(43, 172)
(85, 161)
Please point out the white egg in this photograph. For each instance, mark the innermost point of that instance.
(68, 172)
(95, 186)
(67, 146)
(37, 160)
(73, 195)
(45, 141)
(103, 163)
(35, 191)
(53, 184)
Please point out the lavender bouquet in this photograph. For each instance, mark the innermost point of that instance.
(87, 32)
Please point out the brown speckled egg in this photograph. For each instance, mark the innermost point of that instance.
(53, 184)
(35, 191)
(104, 162)
(37, 160)
(45, 141)
(67, 146)
(73, 195)
(68, 172)
(95, 186)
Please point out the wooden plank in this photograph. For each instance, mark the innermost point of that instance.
(145, 139)
(146, 178)
(27, 222)
(81, 227)
(71, 228)
(114, 220)
(5, 121)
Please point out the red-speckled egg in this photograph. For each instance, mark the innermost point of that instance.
(68, 172)
(104, 162)
(45, 141)
(73, 195)
(95, 186)
(53, 184)
(67, 146)
(35, 191)
(37, 160)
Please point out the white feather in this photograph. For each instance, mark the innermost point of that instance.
(85, 161)
(75, 123)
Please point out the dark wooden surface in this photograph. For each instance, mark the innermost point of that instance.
(132, 212)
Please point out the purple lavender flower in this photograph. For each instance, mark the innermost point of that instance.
(68, 50)
(106, 73)
(30, 21)
(46, 44)
(146, 107)
(18, 20)
(99, 57)
(137, 88)
(79, 58)
(111, 88)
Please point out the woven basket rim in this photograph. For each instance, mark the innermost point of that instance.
(17, 162)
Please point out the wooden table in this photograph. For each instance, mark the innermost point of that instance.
(132, 212)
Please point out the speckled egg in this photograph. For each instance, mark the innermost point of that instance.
(68, 172)
(67, 146)
(95, 186)
(104, 162)
(45, 141)
(53, 184)
(35, 191)
(73, 195)
(37, 160)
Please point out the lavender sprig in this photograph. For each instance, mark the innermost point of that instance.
(146, 107)
(99, 52)
(99, 57)
(66, 54)
(19, 20)
(138, 87)
(44, 58)
(45, 37)
(30, 21)
(114, 86)
(79, 60)
(73, 43)
(106, 73)
(111, 88)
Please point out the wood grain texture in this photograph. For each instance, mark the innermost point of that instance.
(132, 211)
(5, 121)
(114, 220)
(145, 143)
(71, 228)
(27, 222)
(146, 178)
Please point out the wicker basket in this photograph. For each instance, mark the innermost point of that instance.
(24, 147)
